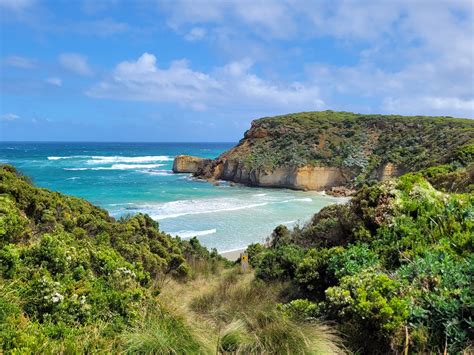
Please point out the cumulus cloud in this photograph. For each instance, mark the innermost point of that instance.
(20, 62)
(54, 81)
(76, 63)
(412, 56)
(233, 85)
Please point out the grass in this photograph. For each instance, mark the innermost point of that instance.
(163, 332)
(240, 316)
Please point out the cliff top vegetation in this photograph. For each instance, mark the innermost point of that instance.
(361, 144)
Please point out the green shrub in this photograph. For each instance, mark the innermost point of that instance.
(394, 268)
(279, 263)
(69, 272)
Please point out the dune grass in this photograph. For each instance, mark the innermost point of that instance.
(238, 315)
(163, 332)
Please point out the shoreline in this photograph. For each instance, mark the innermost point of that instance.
(232, 255)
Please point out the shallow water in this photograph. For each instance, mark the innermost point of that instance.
(127, 178)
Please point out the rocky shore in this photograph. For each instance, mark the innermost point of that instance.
(331, 151)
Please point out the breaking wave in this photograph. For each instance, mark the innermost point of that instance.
(191, 233)
(119, 167)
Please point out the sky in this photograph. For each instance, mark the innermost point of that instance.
(151, 70)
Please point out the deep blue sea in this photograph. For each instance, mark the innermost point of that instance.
(127, 178)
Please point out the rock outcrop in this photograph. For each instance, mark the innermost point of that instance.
(324, 150)
(188, 164)
(293, 177)
(389, 170)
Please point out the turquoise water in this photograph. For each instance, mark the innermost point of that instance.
(127, 178)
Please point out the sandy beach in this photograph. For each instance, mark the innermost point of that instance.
(232, 255)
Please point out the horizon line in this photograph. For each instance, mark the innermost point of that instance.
(146, 142)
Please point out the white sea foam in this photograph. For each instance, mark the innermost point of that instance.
(287, 223)
(304, 199)
(157, 172)
(100, 159)
(119, 167)
(191, 207)
(191, 233)
(103, 159)
(181, 208)
(68, 157)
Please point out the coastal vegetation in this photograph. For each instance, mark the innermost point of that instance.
(75, 280)
(391, 271)
(394, 267)
(364, 148)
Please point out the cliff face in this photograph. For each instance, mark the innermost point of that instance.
(188, 164)
(300, 178)
(320, 150)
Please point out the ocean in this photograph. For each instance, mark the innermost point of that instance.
(127, 178)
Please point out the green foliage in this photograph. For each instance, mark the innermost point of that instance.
(162, 333)
(68, 270)
(301, 309)
(440, 286)
(360, 144)
(394, 265)
(369, 298)
(255, 253)
(280, 263)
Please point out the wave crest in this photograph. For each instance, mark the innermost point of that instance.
(191, 233)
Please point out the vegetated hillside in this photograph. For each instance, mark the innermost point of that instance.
(75, 280)
(364, 148)
(394, 267)
(69, 270)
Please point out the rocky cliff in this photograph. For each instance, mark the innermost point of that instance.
(321, 150)
(188, 164)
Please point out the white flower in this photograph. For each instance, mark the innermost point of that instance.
(56, 297)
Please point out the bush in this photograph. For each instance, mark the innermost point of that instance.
(67, 269)
(279, 263)
(394, 271)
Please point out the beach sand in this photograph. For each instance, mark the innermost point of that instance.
(232, 255)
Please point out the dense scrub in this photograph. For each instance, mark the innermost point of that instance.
(75, 280)
(69, 271)
(394, 267)
(361, 144)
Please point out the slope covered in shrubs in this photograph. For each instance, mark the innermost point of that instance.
(394, 267)
(365, 147)
(69, 271)
(75, 280)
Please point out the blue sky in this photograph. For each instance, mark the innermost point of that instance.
(145, 70)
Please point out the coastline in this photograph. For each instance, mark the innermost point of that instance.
(232, 255)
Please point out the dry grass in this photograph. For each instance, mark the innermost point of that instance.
(239, 316)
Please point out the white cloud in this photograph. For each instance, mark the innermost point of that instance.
(76, 63)
(416, 53)
(9, 117)
(54, 81)
(269, 18)
(196, 34)
(20, 62)
(231, 86)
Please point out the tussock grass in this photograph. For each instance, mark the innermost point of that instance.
(164, 332)
(244, 315)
